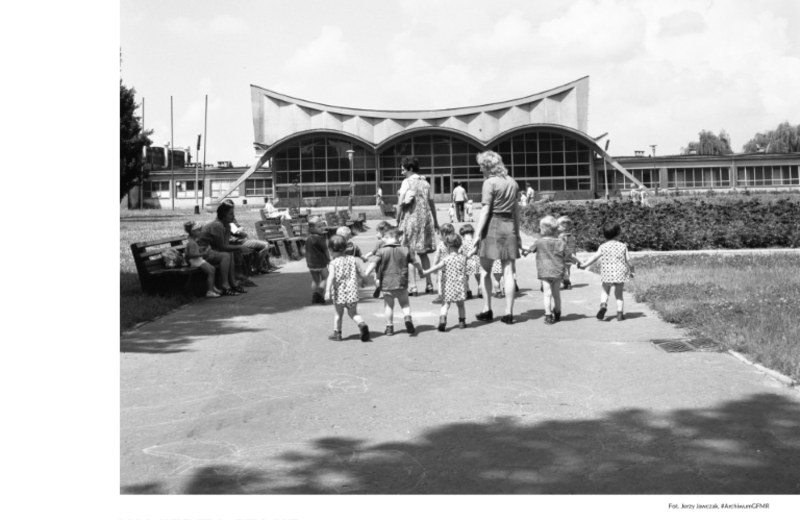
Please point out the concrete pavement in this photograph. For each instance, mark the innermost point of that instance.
(245, 395)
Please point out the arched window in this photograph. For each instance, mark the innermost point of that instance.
(321, 168)
(547, 160)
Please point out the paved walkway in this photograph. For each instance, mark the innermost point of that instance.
(246, 395)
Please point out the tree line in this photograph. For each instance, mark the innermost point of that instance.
(784, 139)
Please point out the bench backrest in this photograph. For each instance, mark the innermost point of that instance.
(269, 231)
(148, 255)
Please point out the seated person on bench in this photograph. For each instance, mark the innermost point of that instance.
(238, 237)
(272, 212)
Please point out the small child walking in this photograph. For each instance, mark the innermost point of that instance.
(565, 234)
(352, 249)
(468, 208)
(467, 233)
(454, 270)
(615, 269)
(342, 288)
(317, 257)
(391, 265)
(441, 250)
(196, 254)
(452, 212)
(550, 260)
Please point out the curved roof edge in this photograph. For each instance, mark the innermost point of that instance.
(276, 116)
(418, 113)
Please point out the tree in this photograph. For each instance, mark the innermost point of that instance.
(709, 144)
(132, 140)
(784, 139)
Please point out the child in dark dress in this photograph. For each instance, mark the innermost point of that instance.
(317, 257)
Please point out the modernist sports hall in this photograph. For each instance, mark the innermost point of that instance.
(542, 138)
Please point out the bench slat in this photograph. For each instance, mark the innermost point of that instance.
(180, 239)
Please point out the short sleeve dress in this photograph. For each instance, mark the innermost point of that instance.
(473, 262)
(417, 223)
(453, 286)
(345, 282)
(613, 266)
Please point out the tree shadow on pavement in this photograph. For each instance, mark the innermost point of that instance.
(741, 447)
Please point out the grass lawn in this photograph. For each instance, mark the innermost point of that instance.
(749, 302)
(139, 226)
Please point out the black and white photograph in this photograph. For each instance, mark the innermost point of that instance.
(450, 259)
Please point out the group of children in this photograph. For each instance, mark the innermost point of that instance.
(452, 212)
(337, 275)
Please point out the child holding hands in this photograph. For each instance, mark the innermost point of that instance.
(550, 261)
(317, 257)
(342, 288)
(391, 265)
(615, 269)
(565, 234)
(451, 282)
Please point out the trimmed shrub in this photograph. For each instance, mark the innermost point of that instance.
(681, 224)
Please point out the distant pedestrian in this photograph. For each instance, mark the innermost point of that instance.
(469, 211)
(550, 258)
(530, 194)
(342, 288)
(453, 267)
(459, 198)
(379, 198)
(615, 269)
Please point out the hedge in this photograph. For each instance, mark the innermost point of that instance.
(680, 224)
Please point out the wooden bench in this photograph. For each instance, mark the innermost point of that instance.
(154, 275)
(388, 210)
(279, 236)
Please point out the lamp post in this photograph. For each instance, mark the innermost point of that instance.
(196, 178)
(605, 168)
(350, 197)
(296, 188)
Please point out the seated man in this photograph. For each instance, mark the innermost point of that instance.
(216, 234)
(238, 237)
(272, 212)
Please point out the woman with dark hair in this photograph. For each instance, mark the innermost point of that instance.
(498, 231)
(417, 219)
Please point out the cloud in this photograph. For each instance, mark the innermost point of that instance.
(680, 24)
(328, 50)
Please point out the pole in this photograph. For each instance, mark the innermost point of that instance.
(171, 157)
(141, 177)
(196, 179)
(350, 197)
(605, 170)
(205, 133)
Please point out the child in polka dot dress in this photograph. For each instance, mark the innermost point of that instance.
(441, 250)
(454, 269)
(342, 288)
(467, 233)
(615, 269)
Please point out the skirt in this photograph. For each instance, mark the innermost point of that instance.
(498, 240)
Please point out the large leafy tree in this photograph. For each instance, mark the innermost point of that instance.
(784, 139)
(132, 140)
(709, 143)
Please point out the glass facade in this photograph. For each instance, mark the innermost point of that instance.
(319, 167)
(784, 175)
(548, 161)
(258, 188)
(617, 181)
(713, 177)
(443, 159)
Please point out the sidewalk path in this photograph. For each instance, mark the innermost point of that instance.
(246, 395)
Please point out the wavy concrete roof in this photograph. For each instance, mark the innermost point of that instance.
(278, 116)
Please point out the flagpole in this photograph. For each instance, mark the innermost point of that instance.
(171, 157)
(205, 133)
(141, 175)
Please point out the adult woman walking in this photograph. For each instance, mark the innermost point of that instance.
(417, 219)
(497, 231)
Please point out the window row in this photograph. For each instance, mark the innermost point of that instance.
(785, 175)
(316, 190)
(616, 180)
(322, 176)
(698, 177)
(186, 189)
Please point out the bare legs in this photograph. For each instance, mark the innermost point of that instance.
(618, 287)
(508, 273)
(551, 296)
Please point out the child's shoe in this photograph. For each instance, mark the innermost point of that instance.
(410, 325)
(549, 320)
(442, 323)
(364, 331)
(508, 319)
(389, 330)
(566, 285)
(469, 295)
(462, 323)
(602, 312)
(336, 336)
(556, 316)
(620, 316)
(317, 298)
(438, 300)
(212, 294)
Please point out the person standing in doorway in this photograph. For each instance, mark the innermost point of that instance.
(460, 198)
(529, 193)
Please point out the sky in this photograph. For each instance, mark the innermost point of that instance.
(660, 72)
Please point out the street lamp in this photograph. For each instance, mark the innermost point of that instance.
(350, 198)
(296, 187)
